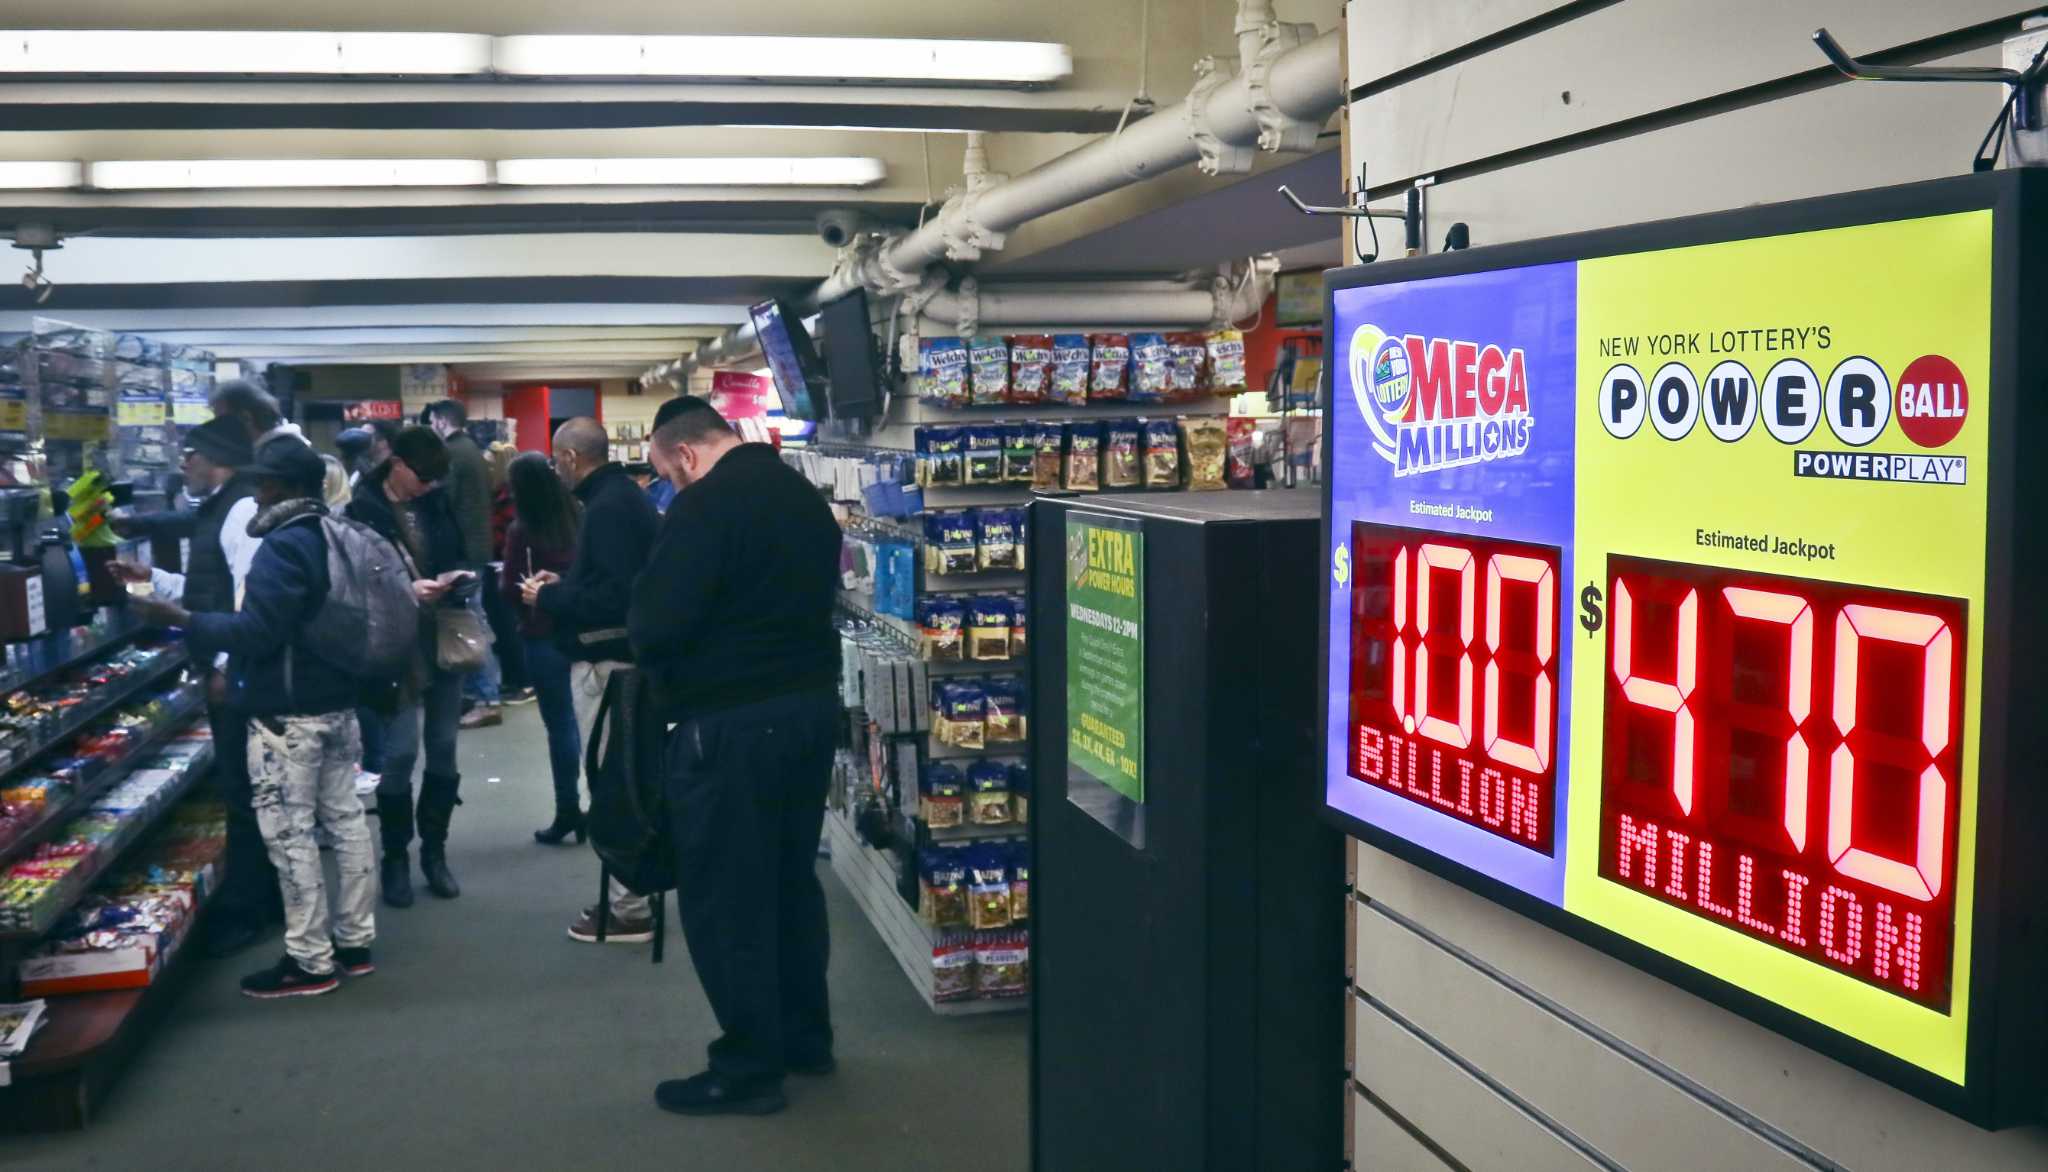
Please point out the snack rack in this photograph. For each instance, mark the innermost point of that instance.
(878, 827)
(108, 711)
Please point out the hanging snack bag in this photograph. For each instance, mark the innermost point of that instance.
(942, 371)
(942, 629)
(942, 888)
(1046, 439)
(984, 457)
(1002, 964)
(1162, 454)
(1187, 367)
(1239, 434)
(1109, 364)
(1020, 799)
(989, 360)
(1003, 710)
(1150, 359)
(988, 889)
(1019, 448)
(1020, 878)
(1206, 445)
(942, 797)
(1122, 457)
(939, 464)
(949, 543)
(988, 628)
(953, 967)
(1226, 363)
(1030, 367)
(962, 716)
(896, 580)
(1019, 625)
(996, 539)
(1084, 456)
(1069, 382)
(988, 797)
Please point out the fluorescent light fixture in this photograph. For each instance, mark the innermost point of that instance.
(166, 53)
(1013, 63)
(771, 172)
(40, 176)
(165, 174)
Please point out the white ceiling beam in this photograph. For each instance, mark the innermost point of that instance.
(150, 261)
(416, 335)
(145, 321)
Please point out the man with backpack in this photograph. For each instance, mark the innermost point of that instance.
(318, 615)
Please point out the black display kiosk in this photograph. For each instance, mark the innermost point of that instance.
(1188, 943)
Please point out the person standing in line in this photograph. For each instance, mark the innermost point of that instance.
(242, 400)
(221, 551)
(587, 605)
(303, 744)
(542, 536)
(394, 500)
(732, 620)
(468, 489)
(506, 642)
(380, 433)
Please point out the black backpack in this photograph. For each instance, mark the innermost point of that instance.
(628, 820)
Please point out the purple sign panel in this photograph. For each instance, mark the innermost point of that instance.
(1451, 434)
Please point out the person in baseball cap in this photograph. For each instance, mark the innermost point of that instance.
(223, 443)
(287, 471)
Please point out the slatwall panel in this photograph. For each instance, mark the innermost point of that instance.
(1677, 108)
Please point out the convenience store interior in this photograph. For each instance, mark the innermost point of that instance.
(490, 239)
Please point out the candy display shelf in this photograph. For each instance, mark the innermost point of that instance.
(869, 876)
(106, 700)
(87, 1042)
(132, 831)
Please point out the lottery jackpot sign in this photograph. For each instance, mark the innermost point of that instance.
(1675, 600)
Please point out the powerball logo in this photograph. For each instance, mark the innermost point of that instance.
(1436, 403)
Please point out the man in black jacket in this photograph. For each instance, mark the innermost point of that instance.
(395, 500)
(303, 744)
(218, 555)
(588, 607)
(733, 621)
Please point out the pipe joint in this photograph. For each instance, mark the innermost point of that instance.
(968, 306)
(1216, 154)
(965, 236)
(1260, 48)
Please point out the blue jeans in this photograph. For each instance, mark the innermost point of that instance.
(372, 724)
(548, 668)
(429, 720)
(483, 683)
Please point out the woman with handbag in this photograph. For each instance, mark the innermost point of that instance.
(397, 500)
(542, 536)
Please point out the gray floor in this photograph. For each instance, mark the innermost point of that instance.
(486, 1039)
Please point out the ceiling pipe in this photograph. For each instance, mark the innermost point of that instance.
(1297, 82)
(1229, 297)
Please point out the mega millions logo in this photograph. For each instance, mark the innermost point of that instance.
(1436, 403)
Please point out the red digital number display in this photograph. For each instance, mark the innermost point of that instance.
(1454, 676)
(1781, 756)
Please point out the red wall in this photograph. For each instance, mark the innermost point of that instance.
(1262, 346)
(527, 406)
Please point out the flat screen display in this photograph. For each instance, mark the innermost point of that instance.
(792, 361)
(1669, 604)
(854, 375)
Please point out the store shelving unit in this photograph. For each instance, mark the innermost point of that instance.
(869, 875)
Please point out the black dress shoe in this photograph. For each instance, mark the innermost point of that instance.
(711, 1093)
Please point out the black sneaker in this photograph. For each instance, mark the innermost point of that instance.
(355, 962)
(287, 979)
(714, 1094)
(812, 1067)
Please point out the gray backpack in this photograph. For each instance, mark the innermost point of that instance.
(369, 625)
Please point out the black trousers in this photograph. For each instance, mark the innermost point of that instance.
(746, 792)
(248, 890)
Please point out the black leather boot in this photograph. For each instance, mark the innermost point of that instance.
(437, 805)
(394, 825)
(568, 821)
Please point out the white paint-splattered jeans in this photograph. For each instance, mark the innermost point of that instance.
(302, 770)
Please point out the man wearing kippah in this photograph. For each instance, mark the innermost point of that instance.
(216, 563)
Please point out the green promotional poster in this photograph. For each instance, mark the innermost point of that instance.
(1106, 652)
